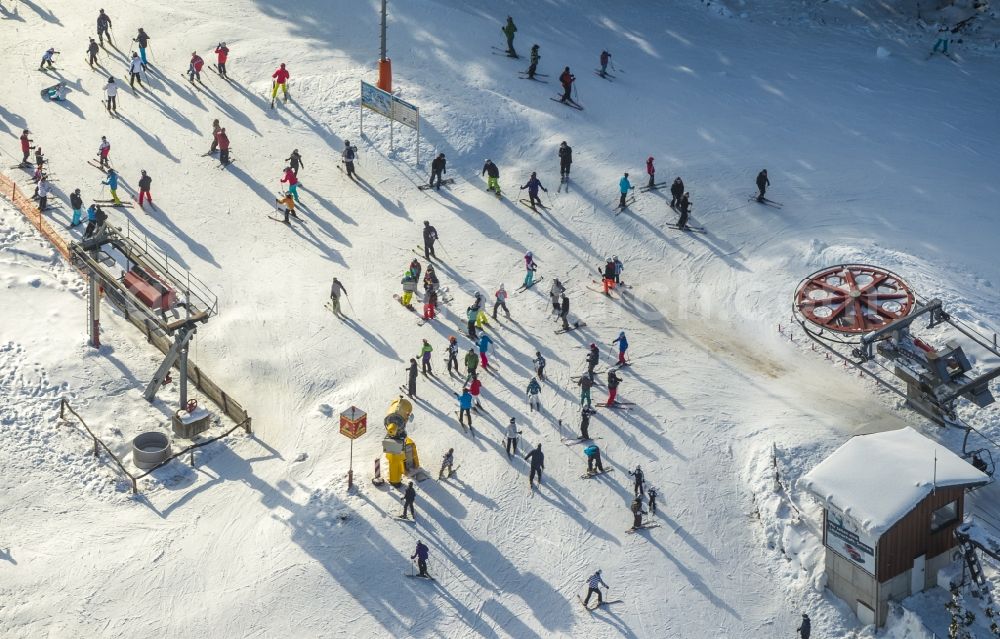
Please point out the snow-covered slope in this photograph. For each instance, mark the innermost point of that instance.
(882, 160)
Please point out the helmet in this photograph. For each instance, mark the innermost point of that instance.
(649, 159)
(608, 259)
(626, 175)
(528, 254)
(451, 338)
(563, 143)
(143, 171)
(282, 65)
(597, 572)
(111, 78)
(223, 44)
(511, 420)
(347, 143)
(592, 345)
(614, 257)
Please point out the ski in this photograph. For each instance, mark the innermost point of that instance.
(97, 165)
(656, 186)
(585, 606)
(568, 103)
(406, 392)
(539, 75)
(524, 77)
(615, 406)
(226, 165)
(595, 473)
(606, 76)
(575, 326)
(601, 291)
(628, 202)
(428, 577)
(111, 204)
(765, 202)
(504, 52)
(424, 187)
(564, 180)
(406, 519)
(578, 440)
(278, 219)
(327, 305)
(524, 288)
(400, 300)
(642, 527)
(688, 227)
(531, 206)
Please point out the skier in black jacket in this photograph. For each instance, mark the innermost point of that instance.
(676, 191)
(295, 162)
(411, 378)
(92, 51)
(762, 184)
(438, 168)
(564, 312)
(640, 482)
(408, 498)
(565, 160)
(103, 25)
(685, 208)
(805, 628)
(537, 460)
(76, 202)
(593, 356)
(492, 174)
(430, 236)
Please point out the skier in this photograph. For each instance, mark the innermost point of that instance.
(533, 185)
(25, 147)
(608, 276)
(446, 462)
(501, 302)
(135, 70)
(144, 183)
(652, 500)
(92, 50)
(942, 41)
(411, 378)
(292, 181)
(348, 155)
(619, 267)
(295, 162)
(593, 357)
(430, 299)
(58, 92)
(593, 453)
(96, 217)
(475, 387)
(639, 480)
(336, 288)
(409, 283)
(215, 136)
(555, 294)
(592, 587)
(438, 168)
(539, 363)
(564, 311)
(425, 358)
(47, 59)
(452, 354)
(280, 80)
(408, 496)
(637, 513)
(622, 347)
(651, 171)
(43, 190)
(76, 202)
(420, 554)
(613, 382)
(430, 236)
(624, 186)
(533, 65)
(111, 92)
(530, 266)
(676, 191)
(484, 347)
(103, 26)
(194, 67)
(112, 184)
(103, 150)
(805, 628)
(566, 79)
(533, 391)
(222, 54)
(481, 317)
(512, 433)
(605, 59)
(143, 39)
(685, 208)
(585, 415)
(465, 406)
(565, 160)
(762, 184)
(537, 460)
(470, 315)
(492, 177)
(289, 203)
(585, 384)
(223, 141)
(509, 30)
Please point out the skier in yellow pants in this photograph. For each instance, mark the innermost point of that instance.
(492, 177)
(280, 79)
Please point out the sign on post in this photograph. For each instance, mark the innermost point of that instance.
(353, 424)
(389, 106)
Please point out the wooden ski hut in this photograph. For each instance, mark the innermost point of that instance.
(891, 503)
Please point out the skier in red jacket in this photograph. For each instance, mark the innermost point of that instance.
(293, 183)
(651, 170)
(280, 80)
(222, 51)
(194, 69)
(25, 147)
(223, 141)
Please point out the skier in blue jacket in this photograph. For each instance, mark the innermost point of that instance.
(622, 347)
(484, 347)
(465, 407)
(624, 186)
(533, 185)
(112, 183)
(533, 391)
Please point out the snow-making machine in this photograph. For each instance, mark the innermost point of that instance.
(866, 316)
(400, 451)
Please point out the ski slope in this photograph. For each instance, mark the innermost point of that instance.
(882, 160)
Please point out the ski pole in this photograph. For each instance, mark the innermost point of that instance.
(349, 304)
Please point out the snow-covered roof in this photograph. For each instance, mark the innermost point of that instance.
(877, 479)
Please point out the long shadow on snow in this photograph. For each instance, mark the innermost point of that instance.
(325, 226)
(44, 14)
(230, 111)
(151, 141)
(376, 342)
(692, 576)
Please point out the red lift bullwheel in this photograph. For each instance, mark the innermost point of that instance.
(853, 299)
